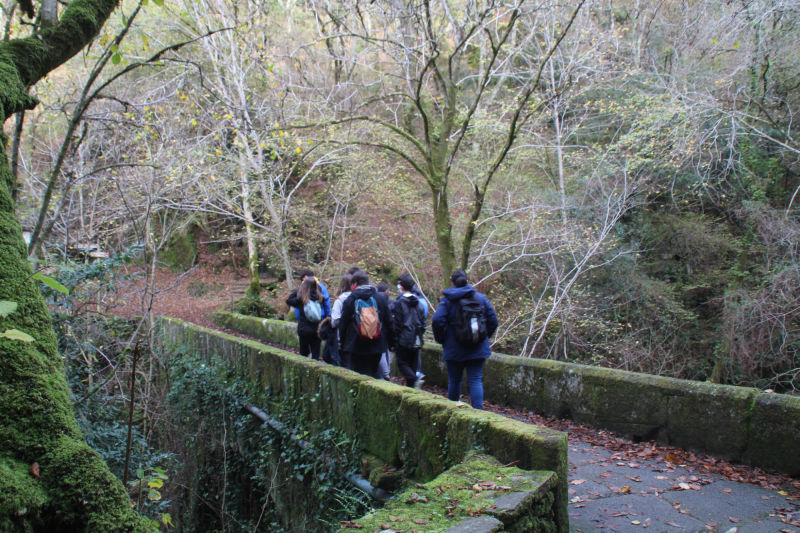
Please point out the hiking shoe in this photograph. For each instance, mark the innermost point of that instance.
(418, 384)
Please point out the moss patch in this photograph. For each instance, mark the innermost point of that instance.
(180, 252)
(521, 499)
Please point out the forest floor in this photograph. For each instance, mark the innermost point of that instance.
(614, 484)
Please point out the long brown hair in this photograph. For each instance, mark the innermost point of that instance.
(304, 291)
(344, 285)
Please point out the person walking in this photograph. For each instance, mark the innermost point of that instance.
(336, 316)
(308, 304)
(408, 321)
(406, 283)
(365, 326)
(385, 364)
(462, 324)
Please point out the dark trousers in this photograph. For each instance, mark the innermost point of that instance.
(331, 352)
(346, 359)
(455, 371)
(407, 363)
(366, 364)
(309, 344)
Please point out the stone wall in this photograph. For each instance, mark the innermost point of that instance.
(739, 424)
(404, 427)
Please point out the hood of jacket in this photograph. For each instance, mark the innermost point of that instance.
(364, 292)
(410, 299)
(456, 293)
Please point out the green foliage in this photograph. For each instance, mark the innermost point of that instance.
(311, 495)
(180, 252)
(255, 307)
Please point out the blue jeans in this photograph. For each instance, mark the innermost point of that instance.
(455, 371)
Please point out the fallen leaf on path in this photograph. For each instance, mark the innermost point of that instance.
(420, 521)
(626, 489)
(577, 482)
(727, 491)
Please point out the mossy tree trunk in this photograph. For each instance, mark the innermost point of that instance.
(70, 488)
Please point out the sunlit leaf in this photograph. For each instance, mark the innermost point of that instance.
(16, 335)
(7, 307)
(50, 282)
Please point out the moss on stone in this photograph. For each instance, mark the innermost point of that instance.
(402, 426)
(180, 252)
(471, 488)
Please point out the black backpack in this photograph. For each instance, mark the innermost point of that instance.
(410, 324)
(469, 321)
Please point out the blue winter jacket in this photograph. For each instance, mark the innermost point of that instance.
(452, 350)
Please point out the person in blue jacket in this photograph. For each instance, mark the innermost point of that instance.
(460, 356)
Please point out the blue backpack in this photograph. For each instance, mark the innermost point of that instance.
(313, 311)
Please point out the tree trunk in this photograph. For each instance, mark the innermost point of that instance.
(72, 489)
(254, 287)
(444, 234)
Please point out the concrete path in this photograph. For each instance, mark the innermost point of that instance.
(610, 492)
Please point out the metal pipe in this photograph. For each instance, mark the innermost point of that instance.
(356, 480)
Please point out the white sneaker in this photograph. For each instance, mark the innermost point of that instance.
(418, 384)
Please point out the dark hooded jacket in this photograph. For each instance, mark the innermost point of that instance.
(304, 326)
(348, 332)
(452, 350)
(408, 320)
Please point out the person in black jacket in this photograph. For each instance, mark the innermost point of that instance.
(307, 320)
(362, 342)
(408, 321)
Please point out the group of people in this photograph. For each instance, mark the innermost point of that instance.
(363, 327)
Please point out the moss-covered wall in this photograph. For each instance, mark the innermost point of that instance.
(470, 496)
(740, 424)
(736, 423)
(423, 433)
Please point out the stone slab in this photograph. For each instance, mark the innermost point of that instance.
(481, 524)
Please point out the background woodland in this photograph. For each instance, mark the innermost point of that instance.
(620, 177)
